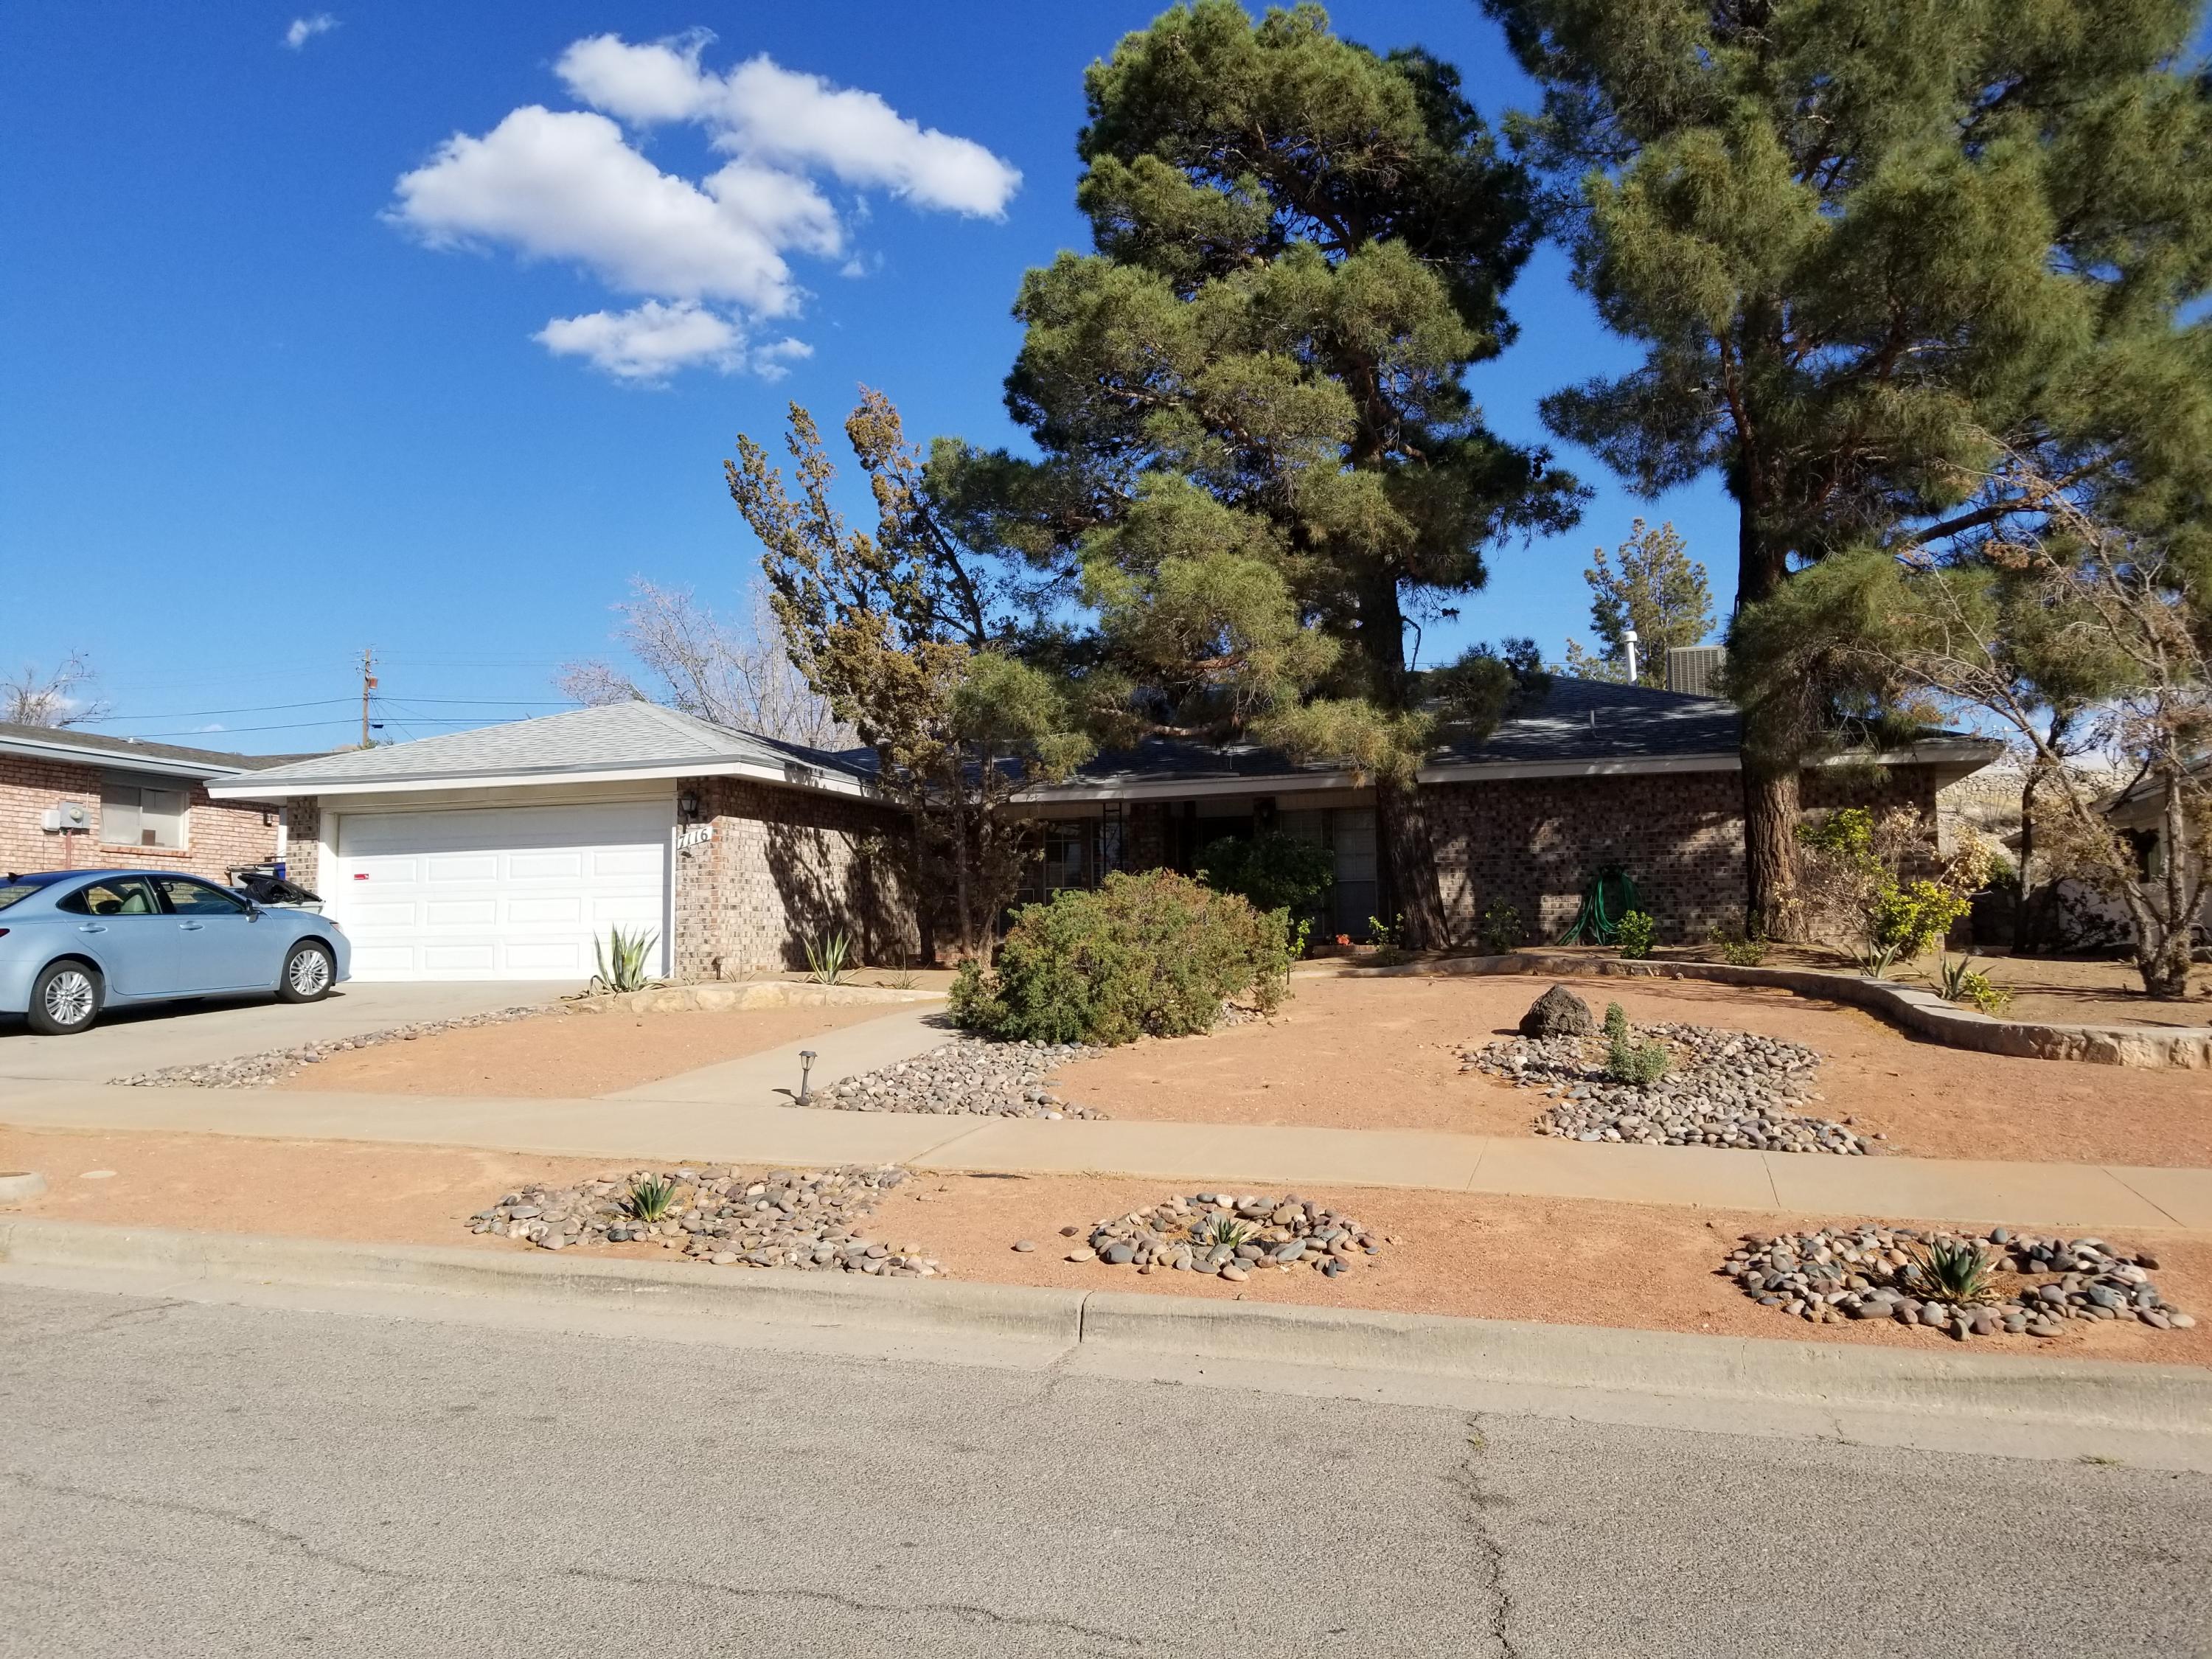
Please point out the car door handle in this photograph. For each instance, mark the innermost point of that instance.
(188, 927)
(91, 927)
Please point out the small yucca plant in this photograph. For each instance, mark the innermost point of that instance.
(829, 958)
(1224, 1230)
(650, 1198)
(1952, 1270)
(623, 959)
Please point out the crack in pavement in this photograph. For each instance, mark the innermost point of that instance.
(1116, 1642)
(1098, 1639)
(1468, 1481)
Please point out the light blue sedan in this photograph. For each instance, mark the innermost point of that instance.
(73, 942)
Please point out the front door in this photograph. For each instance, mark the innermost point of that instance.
(220, 945)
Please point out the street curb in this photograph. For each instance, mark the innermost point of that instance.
(1914, 1008)
(912, 1307)
(2170, 1399)
(16, 1185)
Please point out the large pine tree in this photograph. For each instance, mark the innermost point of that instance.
(1262, 468)
(1864, 244)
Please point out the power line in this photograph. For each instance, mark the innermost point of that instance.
(326, 702)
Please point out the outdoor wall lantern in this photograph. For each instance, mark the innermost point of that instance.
(805, 1067)
(688, 804)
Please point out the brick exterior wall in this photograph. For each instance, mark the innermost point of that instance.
(219, 835)
(1536, 842)
(303, 828)
(786, 865)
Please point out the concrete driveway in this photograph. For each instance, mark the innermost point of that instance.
(129, 1040)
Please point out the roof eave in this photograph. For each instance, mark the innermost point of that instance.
(117, 760)
(795, 776)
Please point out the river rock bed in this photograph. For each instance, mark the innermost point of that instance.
(789, 1218)
(1227, 1236)
(273, 1065)
(1841, 1273)
(967, 1075)
(1726, 1089)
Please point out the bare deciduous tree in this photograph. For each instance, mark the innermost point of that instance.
(733, 674)
(30, 698)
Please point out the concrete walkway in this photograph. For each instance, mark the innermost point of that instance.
(2075, 1197)
(771, 1078)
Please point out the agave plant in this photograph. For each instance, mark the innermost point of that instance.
(1876, 960)
(829, 958)
(623, 960)
(650, 1198)
(1952, 1270)
(1224, 1230)
(1962, 981)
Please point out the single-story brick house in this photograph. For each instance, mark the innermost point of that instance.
(72, 799)
(1595, 774)
(510, 852)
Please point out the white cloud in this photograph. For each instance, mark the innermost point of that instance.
(760, 109)
(708, 255)
(304, 29)
(650, 342)
(564, 184)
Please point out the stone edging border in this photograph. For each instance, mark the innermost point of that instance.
(727, 996)
(1915, 1009)
(2028, 1391)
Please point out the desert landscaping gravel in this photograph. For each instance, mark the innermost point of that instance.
(970, 1075)
(1869, 1272)
(272, 1065)
(786, 1219)
(1722, 1089)
(1230, 1236)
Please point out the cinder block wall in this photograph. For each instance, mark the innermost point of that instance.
(219, 835)
(786, 865)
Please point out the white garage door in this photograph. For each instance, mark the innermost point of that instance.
(510, 893)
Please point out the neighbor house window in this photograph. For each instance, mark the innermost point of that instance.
(134, 815)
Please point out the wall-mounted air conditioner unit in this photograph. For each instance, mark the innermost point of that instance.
(69, 814)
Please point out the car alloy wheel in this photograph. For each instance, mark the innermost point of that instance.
(70, 998)
(309, 973)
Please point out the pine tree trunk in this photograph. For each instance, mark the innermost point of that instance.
(2163, 930)
(1409, 865)
(1771, 814)
(2027, 917)
(963, 856)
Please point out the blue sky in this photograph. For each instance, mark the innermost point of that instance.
(257, 418)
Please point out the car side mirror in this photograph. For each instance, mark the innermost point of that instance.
(253, 911)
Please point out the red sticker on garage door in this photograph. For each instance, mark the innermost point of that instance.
(361, 875)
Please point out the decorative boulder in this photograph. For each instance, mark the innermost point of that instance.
(1558, 1012)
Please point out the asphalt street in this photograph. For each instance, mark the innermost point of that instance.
(183, 1479)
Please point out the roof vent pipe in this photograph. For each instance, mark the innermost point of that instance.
(1628, 638)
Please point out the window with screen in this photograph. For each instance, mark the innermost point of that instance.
(138, 815)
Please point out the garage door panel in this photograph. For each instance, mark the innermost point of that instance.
(545, 867)
(512, 892)
(557, 910)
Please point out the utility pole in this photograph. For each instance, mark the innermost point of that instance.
(368, 686)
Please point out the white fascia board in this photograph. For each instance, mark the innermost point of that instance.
(108, 760)
(1481, 771)
(828, 782)
(1186, 789)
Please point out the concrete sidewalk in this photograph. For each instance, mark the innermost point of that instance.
(2075, 1197)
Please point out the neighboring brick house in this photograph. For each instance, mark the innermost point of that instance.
(510, 852)
(72, 799)
(1598, 775)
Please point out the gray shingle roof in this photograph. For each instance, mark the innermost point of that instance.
(189, 762)
(610, 736)
(1578, 723)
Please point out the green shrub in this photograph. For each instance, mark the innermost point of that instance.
(1640, 1063)
(1273, 872)
(1385, 936)
(1501, 928)
(1638, 934)
(1616, 1023)
(1151, 955)
(1962, 982)
(1906, 918)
